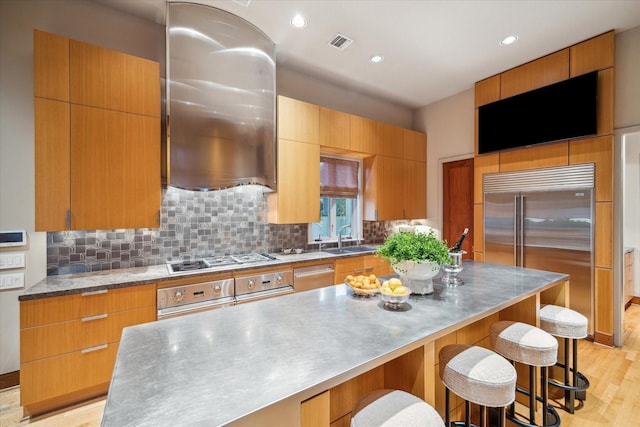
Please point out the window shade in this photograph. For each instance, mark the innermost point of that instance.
(338, 178)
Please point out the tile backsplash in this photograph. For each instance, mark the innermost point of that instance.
(192, 225)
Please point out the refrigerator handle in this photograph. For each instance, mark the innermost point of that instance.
(522, 200)
(515, 230)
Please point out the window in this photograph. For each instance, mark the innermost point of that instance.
(339, 199)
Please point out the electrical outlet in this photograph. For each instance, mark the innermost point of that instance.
(11, 281)
(11, 260)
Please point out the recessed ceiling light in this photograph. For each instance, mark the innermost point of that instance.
(509, 40)
(298, 21)
(376, 59)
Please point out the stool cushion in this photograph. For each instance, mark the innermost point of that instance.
(478, 375)
(524, 343)
(563, 322)
(394, 408)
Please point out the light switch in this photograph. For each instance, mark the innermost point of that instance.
(11, 281)
(11, 260)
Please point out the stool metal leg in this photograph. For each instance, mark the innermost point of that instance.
(569, 395)
(532, 394)
(447, 408)
(467, 413)
(483, 416)
(547, 417)
(579, 394)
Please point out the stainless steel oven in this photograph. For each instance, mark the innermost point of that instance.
(265, 285)
(185, 299)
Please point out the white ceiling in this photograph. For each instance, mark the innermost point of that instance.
(432, 49)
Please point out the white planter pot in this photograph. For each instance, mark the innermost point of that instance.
(417, 277)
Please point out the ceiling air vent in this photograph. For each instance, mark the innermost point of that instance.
(340, 42)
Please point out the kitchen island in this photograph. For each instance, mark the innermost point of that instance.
(297, 359)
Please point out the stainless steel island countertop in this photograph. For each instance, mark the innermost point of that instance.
(253, 364)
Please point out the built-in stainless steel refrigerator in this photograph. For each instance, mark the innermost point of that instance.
(543, 219)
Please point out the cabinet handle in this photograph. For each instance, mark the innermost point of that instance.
(68, 218)
(89, 293)
(358, 271)
(94, 348)
(96, 317)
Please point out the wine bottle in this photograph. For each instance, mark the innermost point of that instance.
(458, 245)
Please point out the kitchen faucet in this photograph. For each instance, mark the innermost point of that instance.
(340, 235)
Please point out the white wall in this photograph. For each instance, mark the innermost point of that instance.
(631, 197)
(449, 125)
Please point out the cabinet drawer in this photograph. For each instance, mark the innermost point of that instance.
(346, 265)
(69, 373)
(69, 307)
(74, 335)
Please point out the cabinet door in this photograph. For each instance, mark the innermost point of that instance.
(415, 189)
(544, 71)
(52, 178)
(297, 199)
(390, 140)
(71, 373)
(115, 169)
(363, 134)
(50, 66)
(298, 120)
(415, 145)
(335, 129)
(113, 80)
(383, 188)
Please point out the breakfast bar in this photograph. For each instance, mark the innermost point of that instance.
(302, 359)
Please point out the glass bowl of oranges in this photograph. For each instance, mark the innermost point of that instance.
(394, 293)
(363, 285)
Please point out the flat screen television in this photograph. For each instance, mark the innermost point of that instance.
(564, 110)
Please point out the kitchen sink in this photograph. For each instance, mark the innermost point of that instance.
(349, 250)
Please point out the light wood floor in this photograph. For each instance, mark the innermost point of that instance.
(614, 374)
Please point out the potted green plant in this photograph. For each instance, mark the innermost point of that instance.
(416, 257)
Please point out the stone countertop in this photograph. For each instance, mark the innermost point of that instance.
(67, 284)
(218, 367)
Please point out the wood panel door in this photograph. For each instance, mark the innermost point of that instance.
(457, 203)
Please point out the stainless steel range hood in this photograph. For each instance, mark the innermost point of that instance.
(221, 100)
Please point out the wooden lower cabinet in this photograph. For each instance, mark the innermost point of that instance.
(68, 344)
(365, 265)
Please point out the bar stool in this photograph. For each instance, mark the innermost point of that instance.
(393, 408)
(565, 323)
(523, 343)
(479, 376)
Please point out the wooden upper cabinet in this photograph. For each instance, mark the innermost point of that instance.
(547, 70)
(335, 129)
(415, 189)
(52, 164)
(97, 151)
(298, 120)
(113, 80)
(538, 156)
(115, 169)
(605, 101)
(297, 199)
(390, 140)
(487, 91)
(415, 145)
(50, 66)
(364, 134)
(593, 54)
(383, 188)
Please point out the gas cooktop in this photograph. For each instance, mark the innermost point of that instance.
(216, 261)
